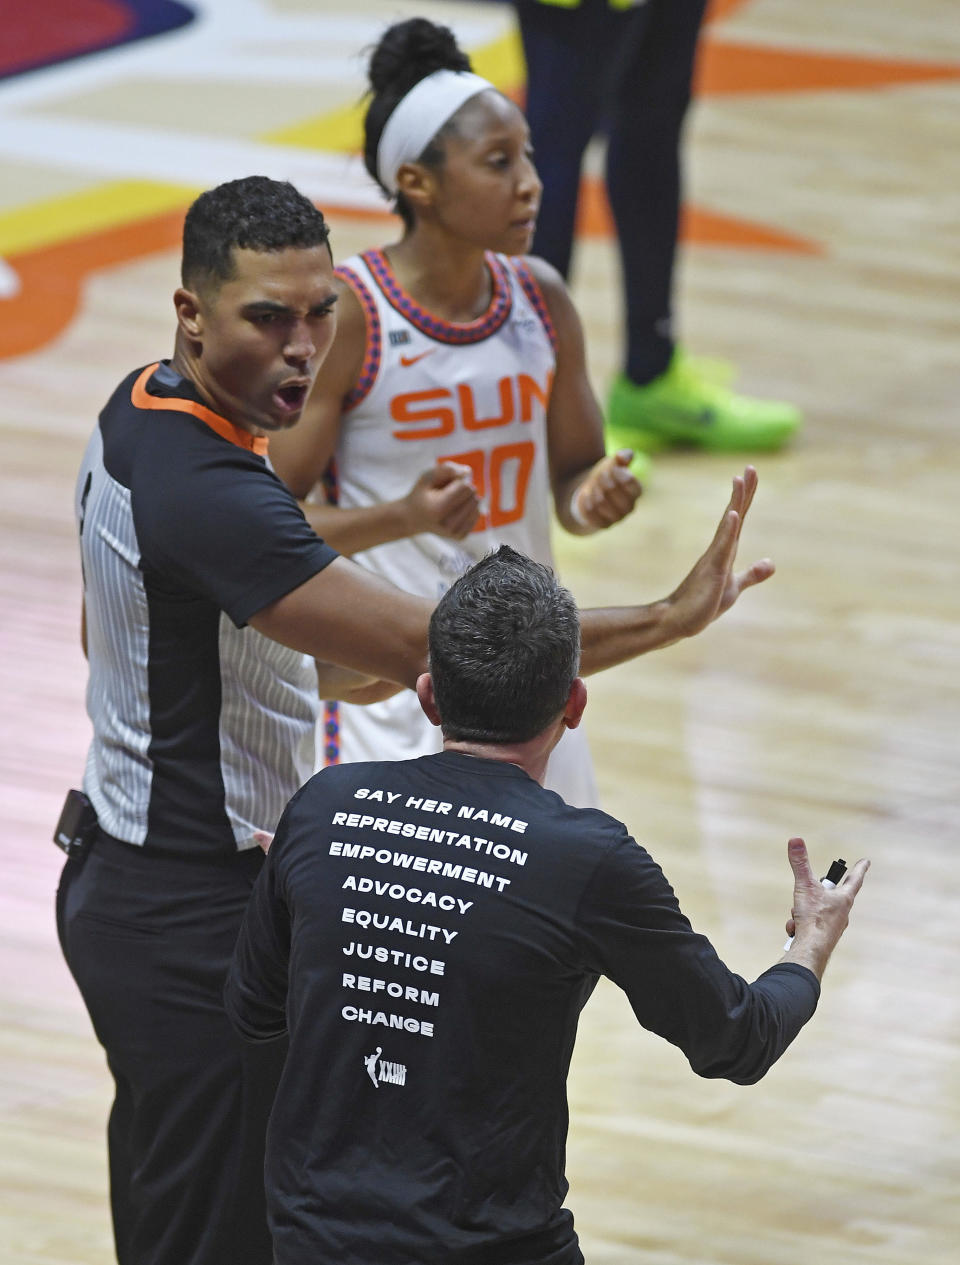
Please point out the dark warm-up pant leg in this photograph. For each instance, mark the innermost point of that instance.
(148, 939)
(644, 169)
(626, 72)
(569, 53)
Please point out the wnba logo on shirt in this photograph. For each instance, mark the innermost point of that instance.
(528, 324)
(383, 1073)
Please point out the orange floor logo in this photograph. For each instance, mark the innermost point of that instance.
(49, 248)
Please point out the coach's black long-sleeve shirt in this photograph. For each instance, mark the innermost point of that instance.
(428, 931)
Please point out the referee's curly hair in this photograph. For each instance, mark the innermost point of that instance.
(255, 213)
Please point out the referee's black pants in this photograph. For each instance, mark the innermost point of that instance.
(148, 939)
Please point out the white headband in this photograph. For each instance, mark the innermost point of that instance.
(419, 116)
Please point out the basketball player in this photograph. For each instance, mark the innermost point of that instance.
(451, 348)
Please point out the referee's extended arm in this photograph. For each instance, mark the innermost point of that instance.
(349, 617)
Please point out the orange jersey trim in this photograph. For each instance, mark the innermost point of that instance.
(435, 327)
(374, 339)
(141, 398)
(531, 288)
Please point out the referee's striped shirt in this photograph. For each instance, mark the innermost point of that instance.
(203, 728)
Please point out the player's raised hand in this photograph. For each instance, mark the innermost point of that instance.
(443, 501)
(712, 586)
(608, 493)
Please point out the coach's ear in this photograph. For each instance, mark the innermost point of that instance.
(576, 702)
(425, 695)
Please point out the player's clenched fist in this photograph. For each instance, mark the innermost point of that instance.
(608, 493)
(444, 501)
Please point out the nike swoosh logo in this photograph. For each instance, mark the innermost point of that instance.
(407, 361)
(705, 416)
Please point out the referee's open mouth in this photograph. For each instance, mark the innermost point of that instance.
(291, 397)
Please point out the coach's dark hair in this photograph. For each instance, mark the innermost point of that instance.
(255, 213)
(504, 650)
(407, 52)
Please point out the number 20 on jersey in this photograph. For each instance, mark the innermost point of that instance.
(501, 474)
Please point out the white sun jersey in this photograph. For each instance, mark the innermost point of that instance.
(430, 390)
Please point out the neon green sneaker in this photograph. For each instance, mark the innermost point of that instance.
(683, 408)
(720, 372)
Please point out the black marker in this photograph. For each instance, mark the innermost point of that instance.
(836, 872)
(832, 877)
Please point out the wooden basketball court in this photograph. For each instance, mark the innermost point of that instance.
(822, 255)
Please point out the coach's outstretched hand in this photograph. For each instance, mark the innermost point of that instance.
(713, 586)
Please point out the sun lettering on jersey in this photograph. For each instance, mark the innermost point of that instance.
(437, 412)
